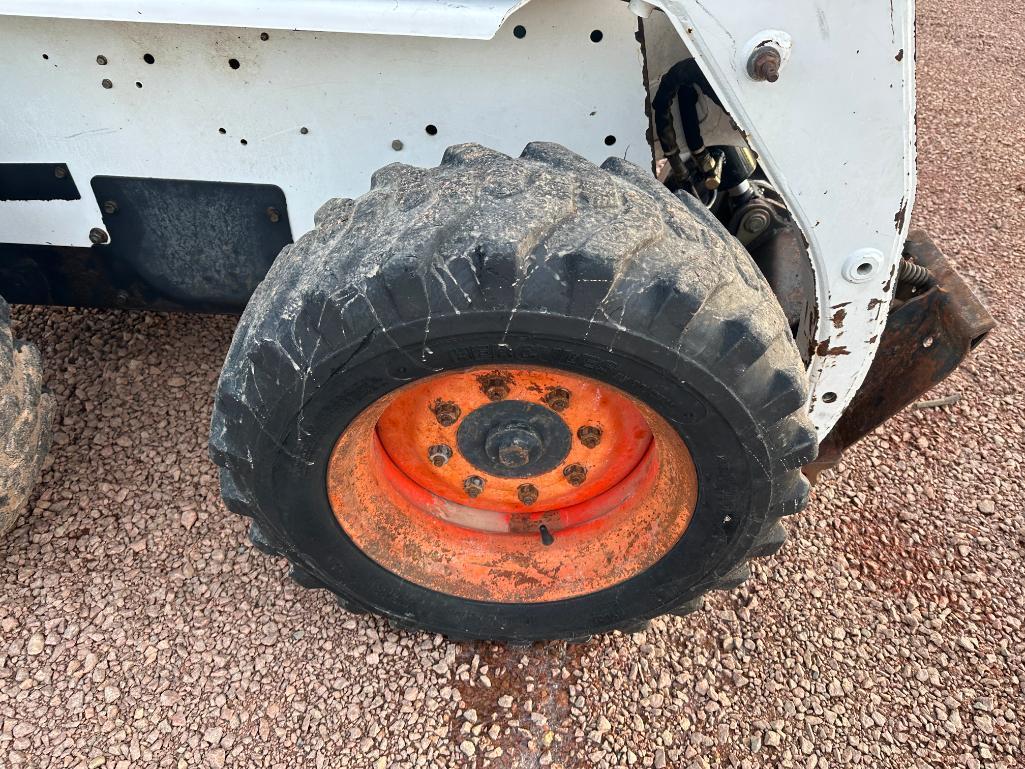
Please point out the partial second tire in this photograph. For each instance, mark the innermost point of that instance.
(26, 413)
(531, 277)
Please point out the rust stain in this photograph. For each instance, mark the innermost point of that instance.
(902, 212)
(838, 318)
(823, 349)
(900, 55)
(538, 723)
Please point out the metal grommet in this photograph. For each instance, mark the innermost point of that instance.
(863, 265)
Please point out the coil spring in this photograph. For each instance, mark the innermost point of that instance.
(913, 274)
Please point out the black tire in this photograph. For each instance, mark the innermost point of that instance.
(26, 414)
(598, 271)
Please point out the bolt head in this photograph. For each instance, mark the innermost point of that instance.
(756, 222)
(109, 207)
(575, 474)
(447, 413)
(473, 486)
(496, 389)
(101, 59)
(60, 172)
(764, 64)
(97, 236)
(106, 83)
(589, 436)
(527, 493)
(514, 453)
(557, 398)
(273, 215)
(397, 145)
(439, 455)
(513, 445)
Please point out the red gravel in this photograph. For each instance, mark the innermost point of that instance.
(138, 628)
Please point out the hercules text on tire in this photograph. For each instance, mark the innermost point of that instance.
(514, 399)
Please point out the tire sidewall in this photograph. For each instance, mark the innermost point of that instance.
(728, 449)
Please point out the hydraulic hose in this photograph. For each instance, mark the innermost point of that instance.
(683, 82)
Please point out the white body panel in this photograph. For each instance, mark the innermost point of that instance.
(355, 94)
(835, 134)
(478, 19)
(836, 137)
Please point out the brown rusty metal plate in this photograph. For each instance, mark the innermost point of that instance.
(928, 334)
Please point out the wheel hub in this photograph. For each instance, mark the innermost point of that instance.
(513, 446)
(514, 439)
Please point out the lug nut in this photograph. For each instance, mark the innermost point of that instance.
(447, 413)
(575, 474)
(764, 64)
(98, 236)
(439, 454)
(557, 398)
(473, 486)
(589, 435)
(496, 388)
(527, 493)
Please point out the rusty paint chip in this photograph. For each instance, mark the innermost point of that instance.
(823, 349)
(902, 212)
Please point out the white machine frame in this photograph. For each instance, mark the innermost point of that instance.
(326, 91)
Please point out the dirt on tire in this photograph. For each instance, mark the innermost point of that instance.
(26, 416)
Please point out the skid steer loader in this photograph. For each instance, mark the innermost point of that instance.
(549, 310)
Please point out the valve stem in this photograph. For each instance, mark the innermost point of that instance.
(546, 536)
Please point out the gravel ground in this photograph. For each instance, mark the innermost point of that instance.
(138, 628)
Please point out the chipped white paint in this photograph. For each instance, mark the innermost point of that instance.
(641, 8)
(835, 134)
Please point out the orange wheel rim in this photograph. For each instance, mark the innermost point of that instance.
(511, 484)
